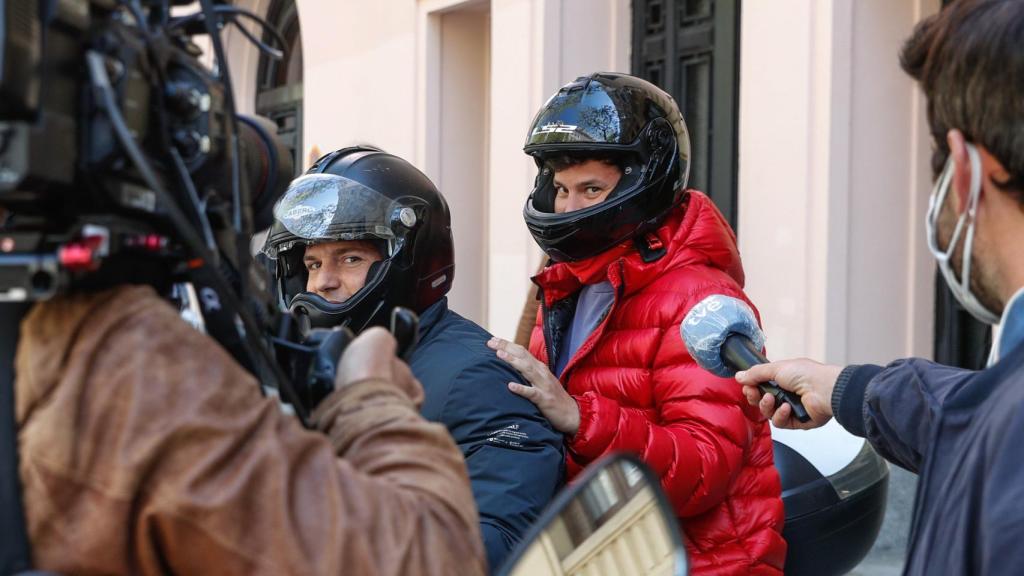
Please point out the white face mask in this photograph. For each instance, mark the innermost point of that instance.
(962, 289)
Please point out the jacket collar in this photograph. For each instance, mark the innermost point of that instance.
(1010, 333)
(432, 316)
(694, 233)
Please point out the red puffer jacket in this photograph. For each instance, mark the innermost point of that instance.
(639, 391)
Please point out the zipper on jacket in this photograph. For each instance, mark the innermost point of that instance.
(545, 313)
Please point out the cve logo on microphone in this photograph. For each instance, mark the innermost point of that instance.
(709, 305)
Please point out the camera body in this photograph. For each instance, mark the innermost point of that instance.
(122, 161)
(77, 211)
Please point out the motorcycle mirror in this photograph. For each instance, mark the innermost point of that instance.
(613, 519)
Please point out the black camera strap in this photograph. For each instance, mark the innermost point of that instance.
(14, 546)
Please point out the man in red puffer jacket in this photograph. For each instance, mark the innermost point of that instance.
(632, 251)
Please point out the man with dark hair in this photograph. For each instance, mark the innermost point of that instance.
(560, 162)
(632, 250)
(364, 231)
(959, 429)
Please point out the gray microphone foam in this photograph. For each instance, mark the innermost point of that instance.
(710, 322)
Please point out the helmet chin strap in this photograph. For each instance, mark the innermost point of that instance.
(965, 225)
(313, 311)
(357, 313)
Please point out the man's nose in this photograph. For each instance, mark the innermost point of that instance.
(326, 281)
(574, 202)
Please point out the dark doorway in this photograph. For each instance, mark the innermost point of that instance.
(690, 48)
(960, 340)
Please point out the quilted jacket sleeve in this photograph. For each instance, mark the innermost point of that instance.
(701, 432)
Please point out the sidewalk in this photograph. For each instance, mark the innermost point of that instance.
(880, 565)
(886, 558)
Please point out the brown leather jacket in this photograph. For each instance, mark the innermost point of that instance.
(144, 448)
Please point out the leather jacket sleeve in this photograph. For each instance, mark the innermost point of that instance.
(145, 449)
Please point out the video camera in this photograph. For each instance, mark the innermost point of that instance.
(115, 144)
(122, 160)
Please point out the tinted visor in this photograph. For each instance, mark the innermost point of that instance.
(328, 208)
(589, 111)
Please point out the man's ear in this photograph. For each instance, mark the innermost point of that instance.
(961, 183)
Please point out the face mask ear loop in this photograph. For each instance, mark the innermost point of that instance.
(971, 216)
(935, 203)
(959, 287)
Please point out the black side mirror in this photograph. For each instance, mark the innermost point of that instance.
(613, 519)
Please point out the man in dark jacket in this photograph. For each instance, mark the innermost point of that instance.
(514, 457)
(960, 430)
(364, 231)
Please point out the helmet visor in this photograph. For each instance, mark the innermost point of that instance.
(570, 118)
(328, 207)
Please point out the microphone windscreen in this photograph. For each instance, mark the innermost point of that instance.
(710, 322)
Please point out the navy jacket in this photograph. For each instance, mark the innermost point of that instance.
(962, 431)
(515, 458)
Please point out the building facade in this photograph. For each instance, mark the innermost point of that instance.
(806, 133)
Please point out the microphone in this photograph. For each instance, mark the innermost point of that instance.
(723, 337)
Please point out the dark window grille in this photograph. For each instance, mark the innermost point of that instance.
(960, 340)
(691, 49)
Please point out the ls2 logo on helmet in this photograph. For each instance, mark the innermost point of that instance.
(555, 128)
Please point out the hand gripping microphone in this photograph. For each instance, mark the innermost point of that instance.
(722, 336)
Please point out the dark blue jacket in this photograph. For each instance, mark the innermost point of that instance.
(963, 433)
(515, 459)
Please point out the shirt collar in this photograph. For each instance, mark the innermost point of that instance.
(1010, 333)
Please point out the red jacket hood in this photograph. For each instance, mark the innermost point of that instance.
(695, 233)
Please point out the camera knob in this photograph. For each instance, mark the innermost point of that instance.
(191, 143)
(187, 101)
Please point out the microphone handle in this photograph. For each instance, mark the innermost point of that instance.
(739, 353)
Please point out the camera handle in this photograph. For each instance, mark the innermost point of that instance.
(329, 344)
(405, 327)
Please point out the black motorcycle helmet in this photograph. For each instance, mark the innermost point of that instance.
(607, 115)
(364, 193)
